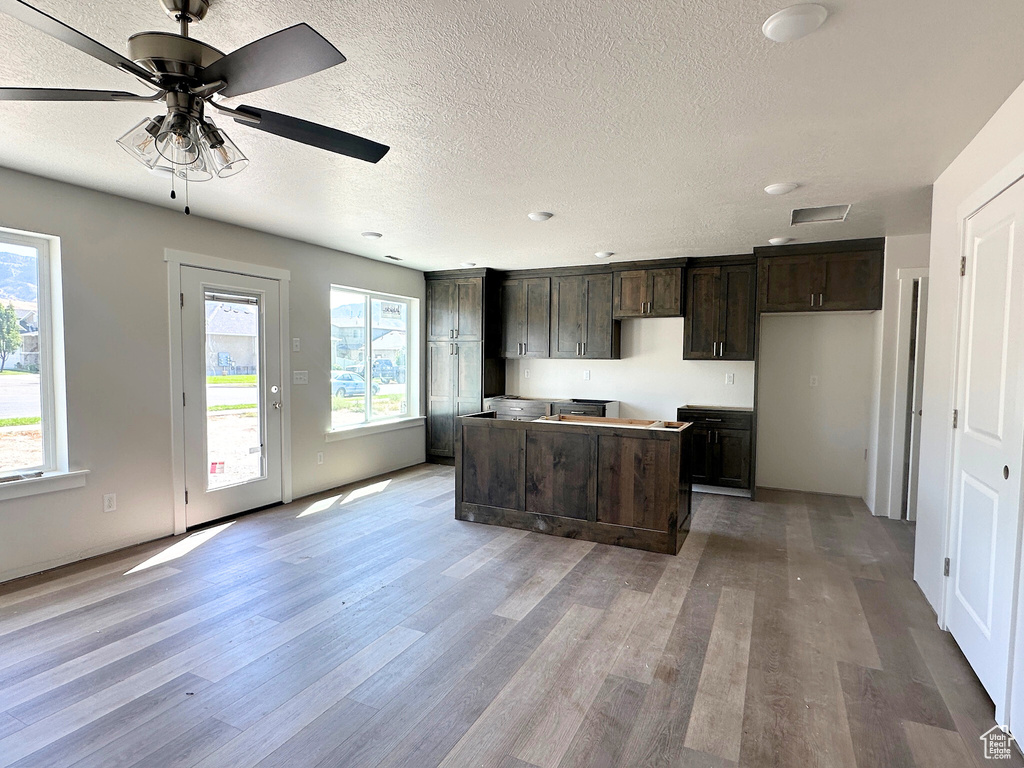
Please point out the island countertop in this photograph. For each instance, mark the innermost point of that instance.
(614, 481)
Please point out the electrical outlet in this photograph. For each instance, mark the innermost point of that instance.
(300, 377)
(814, 381)
(109, 502)
(586, 375)
(730, 378)
(319, 457)
(296, 345)
(526, 373)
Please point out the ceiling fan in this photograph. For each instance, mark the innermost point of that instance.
(188, 75)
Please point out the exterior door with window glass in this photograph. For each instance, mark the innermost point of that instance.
(369, 357)
(26, 375)
(231, 366)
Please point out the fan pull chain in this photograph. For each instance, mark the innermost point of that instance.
(172, 186)
(187, 211)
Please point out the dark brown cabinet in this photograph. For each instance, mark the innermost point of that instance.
(721, 313)
(841, 276)
(455, 309)
(649, 293)
(463, 366)
(526, 317)
(581, 317)
(721, 450)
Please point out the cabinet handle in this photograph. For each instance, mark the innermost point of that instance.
(577, 413)
(584, 348)
(456, 349)
(515, 409)
(456, 333)
(821, 299)
(451, 334)
(710, 419)
(578, 345)
(812, 299)
(524, 347)
(709, 437)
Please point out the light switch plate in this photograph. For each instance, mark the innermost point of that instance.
(319, 457)
(586, 375)
(526, 373)
(814, 381)
(296, 344)
(300, 377)
(109, 502)
(730, 378)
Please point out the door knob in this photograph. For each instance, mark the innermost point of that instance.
(277, 405)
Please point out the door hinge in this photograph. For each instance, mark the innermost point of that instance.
(956, 417)
(945, 568)
(182, 399)
(963, 266)
(186, 498)
(181, 298)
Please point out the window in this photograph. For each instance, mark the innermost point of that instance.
(28, 420)
(370, 368)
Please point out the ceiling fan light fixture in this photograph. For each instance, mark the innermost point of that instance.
(176, 141)
(140, 141)
(202, 169)
(226, 158)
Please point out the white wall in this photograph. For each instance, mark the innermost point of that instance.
(814, 438)
(118, 369)
(651, 380)
(999, 144)
(905, 252)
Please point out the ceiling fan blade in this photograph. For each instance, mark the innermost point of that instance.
(67, 94)
(314, 134)
(278, 58)
(58, 29)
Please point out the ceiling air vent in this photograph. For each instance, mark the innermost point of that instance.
(818, 215)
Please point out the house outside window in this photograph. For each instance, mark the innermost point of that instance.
(31, 357)
(370, 347)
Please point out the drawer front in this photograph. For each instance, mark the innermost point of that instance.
(522, 408)
(577, 409)
(716, 419)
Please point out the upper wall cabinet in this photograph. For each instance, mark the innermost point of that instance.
(582, 324)
(455, 309)
(840, 276)
(720, 312)
(526, 317)
(649, 293)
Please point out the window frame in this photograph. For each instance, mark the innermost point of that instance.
(49, 310)
(370, 422)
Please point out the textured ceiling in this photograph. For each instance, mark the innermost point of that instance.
(649, 128)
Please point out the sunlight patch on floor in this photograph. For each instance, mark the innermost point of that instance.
(181, 548)
(341, 499)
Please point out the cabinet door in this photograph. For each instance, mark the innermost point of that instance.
(468, 368)
(630, 293)
(700, 455)
(440, 310)
(469, 309)
(851, 280)
(737, 312)
(440, 398)
(512, 318)
(600, 329)
(536, 316)
(665, 292)
(567, 314)
(731, 467)
(788, 283)
(700, 328)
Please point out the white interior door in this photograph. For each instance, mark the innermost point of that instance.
(988, 442)
(232, 400)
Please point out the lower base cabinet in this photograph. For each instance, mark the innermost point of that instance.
(722, 446)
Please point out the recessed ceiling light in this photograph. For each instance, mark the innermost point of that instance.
(781, 189)
(468, 264)
(604, 254)
(794, 22)
(372, 235)
(393, 258)
(780, 240)
(539, 216)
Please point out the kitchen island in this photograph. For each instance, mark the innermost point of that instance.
(613, 481)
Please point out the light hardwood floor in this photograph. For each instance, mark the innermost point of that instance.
(367, 627)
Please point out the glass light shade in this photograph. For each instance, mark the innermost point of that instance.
(202, 169)
(227, 159)
(140, 142)
(176, 141)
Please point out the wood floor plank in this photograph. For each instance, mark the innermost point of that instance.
(272, 731)
(9, 724)
(543, 581)
(716, 722)
(936, 747)
(475, 560)
(602, 736)
(317, 740)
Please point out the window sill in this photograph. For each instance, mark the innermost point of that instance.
(362, 430)
(48, 483)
